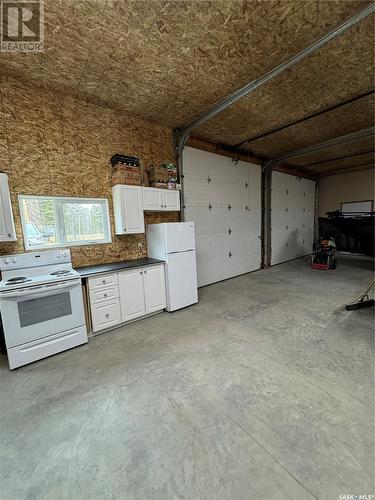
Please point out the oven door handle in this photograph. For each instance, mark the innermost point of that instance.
(40, 290)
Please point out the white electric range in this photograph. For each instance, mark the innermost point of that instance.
(41, 305)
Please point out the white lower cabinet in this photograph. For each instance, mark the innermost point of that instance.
(105, 314)
(131, 291)
(125, 296)
(154, 288)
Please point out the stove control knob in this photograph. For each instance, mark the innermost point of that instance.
(14, 260)
(6, 261)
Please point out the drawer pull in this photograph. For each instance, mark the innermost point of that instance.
(105, 295)
(104, 282)
(107, 315)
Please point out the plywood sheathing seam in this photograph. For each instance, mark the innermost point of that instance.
(57, 145)
(168, 61)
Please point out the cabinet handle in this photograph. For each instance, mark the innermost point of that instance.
(104, 282)
(124, 229)
(107, 315)
(105, 295)
(140, 272)
(165, 206)
(161, 206)
(10, 235)
(145, 272)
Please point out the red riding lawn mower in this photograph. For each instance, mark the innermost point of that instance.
(324, 256)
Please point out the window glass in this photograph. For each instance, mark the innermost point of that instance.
(56, 221)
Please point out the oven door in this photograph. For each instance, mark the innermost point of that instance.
(36, 312)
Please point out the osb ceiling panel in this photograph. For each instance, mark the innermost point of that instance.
(358, 160)
(339, 71)
(361, 146)
(344, 120)
(167, 61)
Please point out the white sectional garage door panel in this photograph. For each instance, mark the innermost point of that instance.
(223, 199)
(292, 217)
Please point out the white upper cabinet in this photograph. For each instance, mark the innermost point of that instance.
(171, 199)
(161, 199)
(152, 199)
(7, 229)
(154, 287)
(128, 208)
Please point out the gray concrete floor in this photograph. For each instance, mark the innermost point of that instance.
(263, 390)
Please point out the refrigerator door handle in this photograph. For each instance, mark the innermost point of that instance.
(181, 251)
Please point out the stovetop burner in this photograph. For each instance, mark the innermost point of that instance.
(62, 272)
(17, 279)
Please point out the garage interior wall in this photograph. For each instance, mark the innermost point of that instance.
(54, 145)
(350, 186)
(223, 198)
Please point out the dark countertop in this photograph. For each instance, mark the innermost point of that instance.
(88, 271)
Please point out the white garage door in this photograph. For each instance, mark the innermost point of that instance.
(292, 217)
(224, 201)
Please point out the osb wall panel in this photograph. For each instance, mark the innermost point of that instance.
(337, 72)
(168, 60)
(52, 144)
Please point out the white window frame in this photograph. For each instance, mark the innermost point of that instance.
(60, 230)
(371, 206)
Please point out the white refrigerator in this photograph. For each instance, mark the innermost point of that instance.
(174, 242)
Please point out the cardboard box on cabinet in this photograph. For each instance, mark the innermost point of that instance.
(157, 174)
(126, 174)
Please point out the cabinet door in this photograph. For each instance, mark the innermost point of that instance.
(105, 315)
(128, 208)
(152, 199)
(131, 292)
(154, 285)
(7, 230)
(171, 199)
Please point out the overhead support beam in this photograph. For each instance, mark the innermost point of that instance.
(343, 139)
(181, 134)
(306, 118)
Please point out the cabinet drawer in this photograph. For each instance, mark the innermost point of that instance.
(106, 314)
(103, 294)
(103, 281)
